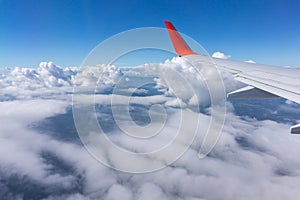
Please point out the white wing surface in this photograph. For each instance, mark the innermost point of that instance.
(263, 81)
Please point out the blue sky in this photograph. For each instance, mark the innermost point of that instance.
(65, 31)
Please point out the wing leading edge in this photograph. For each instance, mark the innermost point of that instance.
(263, 81)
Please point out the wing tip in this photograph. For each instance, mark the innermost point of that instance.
(180, 46)
(169, 25)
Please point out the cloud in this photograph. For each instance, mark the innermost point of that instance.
(253, 159)
(221, 55)
(116, 192)
(250, 61)
(49, 79)
(189, 83)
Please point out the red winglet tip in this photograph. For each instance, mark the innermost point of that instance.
(169, 25)
(181, 48)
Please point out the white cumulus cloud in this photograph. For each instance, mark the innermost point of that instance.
(221, 55)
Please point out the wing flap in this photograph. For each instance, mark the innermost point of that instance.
(250, 92)
(278, 89)
(295, 129)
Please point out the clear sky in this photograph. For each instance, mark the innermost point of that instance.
(65, 31)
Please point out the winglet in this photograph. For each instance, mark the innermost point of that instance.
(181, 48)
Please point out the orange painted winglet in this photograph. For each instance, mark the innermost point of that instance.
(181, 48)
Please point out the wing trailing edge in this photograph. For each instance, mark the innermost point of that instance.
(250, 92)
(295, 129)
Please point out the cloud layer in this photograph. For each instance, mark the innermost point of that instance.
(254, 159)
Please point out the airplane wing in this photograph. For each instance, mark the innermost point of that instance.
(263, 81)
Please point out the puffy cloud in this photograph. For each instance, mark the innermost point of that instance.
(189, 83)
(50, 79)
(221, 55)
